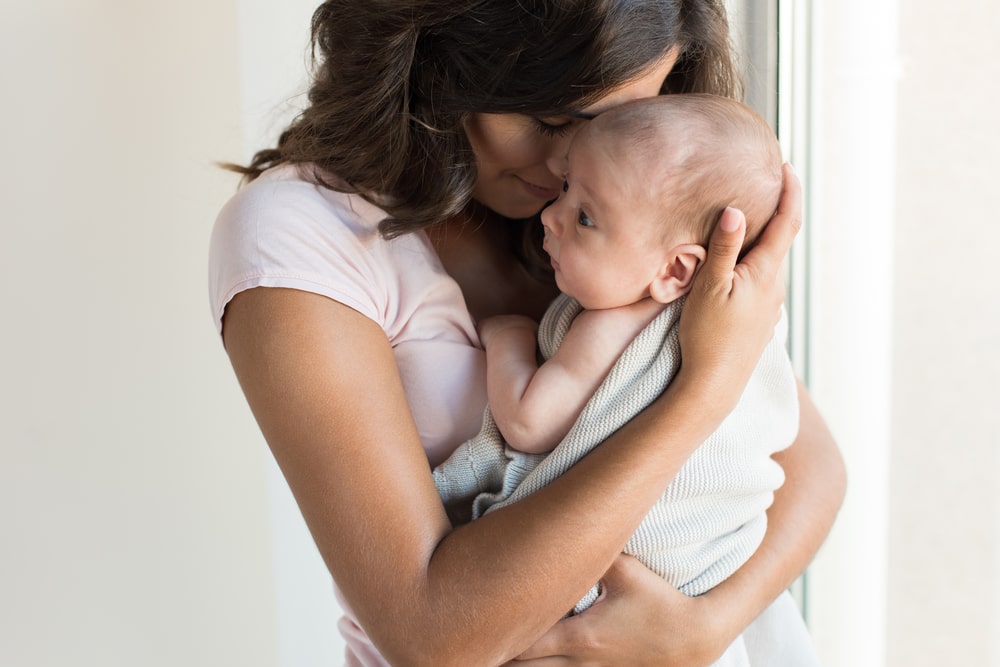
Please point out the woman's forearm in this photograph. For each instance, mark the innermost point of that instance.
(561, 539)
(337, 422)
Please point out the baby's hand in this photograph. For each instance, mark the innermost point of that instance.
(490, 327)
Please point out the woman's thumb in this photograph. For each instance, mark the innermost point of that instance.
(726, 242)
(623, 569)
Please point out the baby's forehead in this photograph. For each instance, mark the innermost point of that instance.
(594, 145)
(612, 172)
(649, 148)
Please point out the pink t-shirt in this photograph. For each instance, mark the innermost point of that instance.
(283, 231)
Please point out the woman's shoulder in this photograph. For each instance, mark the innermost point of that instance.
(285, 230)
(288, 199)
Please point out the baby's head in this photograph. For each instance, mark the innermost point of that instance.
(645, 185)
(691, 156)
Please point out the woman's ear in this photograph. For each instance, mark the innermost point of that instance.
(677, 273)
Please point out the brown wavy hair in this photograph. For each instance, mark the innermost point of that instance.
(394, 81)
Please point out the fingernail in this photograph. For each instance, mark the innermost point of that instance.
(729, 222)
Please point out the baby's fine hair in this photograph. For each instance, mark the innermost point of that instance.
(706, 153)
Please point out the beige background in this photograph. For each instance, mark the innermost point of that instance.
(140, 517)
(944, 575)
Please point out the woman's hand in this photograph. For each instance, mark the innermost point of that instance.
(732, 307)
(638, 620)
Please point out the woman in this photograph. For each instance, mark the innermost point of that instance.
(346, 279)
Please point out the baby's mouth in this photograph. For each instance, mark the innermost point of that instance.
(553, 261)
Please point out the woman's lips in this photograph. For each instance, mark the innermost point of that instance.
(545, 194)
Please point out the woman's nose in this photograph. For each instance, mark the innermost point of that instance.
(556, 162)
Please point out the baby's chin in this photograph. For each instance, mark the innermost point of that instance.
(563, 287)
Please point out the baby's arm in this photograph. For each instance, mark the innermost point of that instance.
(535, 406)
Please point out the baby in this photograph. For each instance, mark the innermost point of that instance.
(645, 185)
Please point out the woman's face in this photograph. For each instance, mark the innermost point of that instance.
(521, 159)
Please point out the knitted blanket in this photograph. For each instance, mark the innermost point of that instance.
(711, 518)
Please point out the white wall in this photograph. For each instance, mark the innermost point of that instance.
(944, 541)
(906, 328)
(133, 503)
(851, 214)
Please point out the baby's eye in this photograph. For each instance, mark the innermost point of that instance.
(584, 220)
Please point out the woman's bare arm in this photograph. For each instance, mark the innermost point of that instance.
(322, 382)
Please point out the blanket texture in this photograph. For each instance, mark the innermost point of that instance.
(711, 518)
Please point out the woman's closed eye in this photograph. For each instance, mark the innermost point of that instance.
(552, 129)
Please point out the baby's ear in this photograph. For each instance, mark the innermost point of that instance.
(675, 276)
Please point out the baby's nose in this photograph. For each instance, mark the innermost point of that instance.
(549, 219)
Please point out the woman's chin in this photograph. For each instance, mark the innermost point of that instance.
(516, 207)
(520, 211)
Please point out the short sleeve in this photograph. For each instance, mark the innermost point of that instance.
(282, 231)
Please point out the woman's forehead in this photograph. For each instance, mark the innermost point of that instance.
(647, 84)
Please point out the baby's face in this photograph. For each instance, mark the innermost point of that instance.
(602, 232)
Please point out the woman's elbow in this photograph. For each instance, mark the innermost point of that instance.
(441, 651)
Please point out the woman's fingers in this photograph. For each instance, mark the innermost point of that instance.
(766, 257)
(638, 620)
(559, 641)
(577, 635)
(734, 304)
(724, 248)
